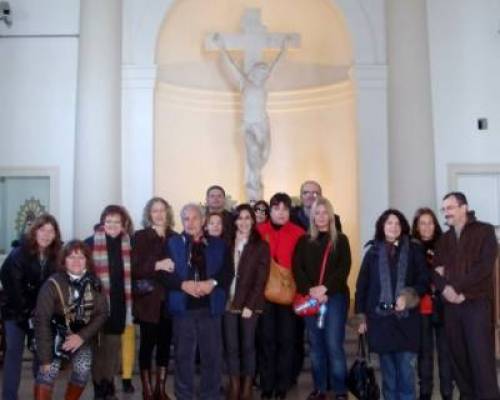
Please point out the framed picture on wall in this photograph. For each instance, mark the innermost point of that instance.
(25, 193)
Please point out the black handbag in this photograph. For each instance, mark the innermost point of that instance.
(142, 287)
(361, 380)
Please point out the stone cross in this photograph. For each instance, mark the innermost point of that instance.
(254, 39)
(253, 74)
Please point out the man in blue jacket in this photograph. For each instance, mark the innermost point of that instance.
(197, 299)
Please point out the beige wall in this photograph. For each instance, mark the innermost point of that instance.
(313, 123)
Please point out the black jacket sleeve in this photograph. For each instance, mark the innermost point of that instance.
(337, 281)
(299, 262)
(363, 284)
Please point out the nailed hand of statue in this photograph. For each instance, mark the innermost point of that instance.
(218, 40)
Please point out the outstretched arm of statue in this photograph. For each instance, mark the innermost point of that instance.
(284, 48)
(219, 42)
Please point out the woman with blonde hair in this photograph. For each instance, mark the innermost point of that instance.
(148, 257)
(321, 265)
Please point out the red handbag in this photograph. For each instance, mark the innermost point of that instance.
(304, 305)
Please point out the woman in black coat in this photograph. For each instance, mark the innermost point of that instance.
(392, 278)
(22, 275)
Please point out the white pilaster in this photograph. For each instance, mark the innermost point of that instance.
(138, 83)
(373, 145)
(97, 169)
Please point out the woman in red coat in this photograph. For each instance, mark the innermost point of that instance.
(277, 325)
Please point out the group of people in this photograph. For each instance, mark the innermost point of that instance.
(205, 291)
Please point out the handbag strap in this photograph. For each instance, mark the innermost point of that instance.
(63, 303)
(362, 348)
(323, 263)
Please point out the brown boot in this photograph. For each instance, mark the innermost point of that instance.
(233, 392)
(161, 382)
(246, 391)
(73, 392)
(147, 390)
(43, 392)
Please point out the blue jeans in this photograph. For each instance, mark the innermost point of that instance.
(14, 349)
(327, 346)
(398, 375)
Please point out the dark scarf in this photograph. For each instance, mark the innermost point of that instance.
(387, 295)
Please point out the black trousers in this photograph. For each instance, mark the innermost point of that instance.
(277, 367)
(298, 363)
(198, 328)
(469, 332)
(239, 344)
(432, 336)
(155, 335)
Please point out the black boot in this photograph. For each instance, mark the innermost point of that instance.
(99, 393)
(109, 390)
(127, 386)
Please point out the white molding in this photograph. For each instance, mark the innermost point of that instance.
(138, 76)
(455, 171)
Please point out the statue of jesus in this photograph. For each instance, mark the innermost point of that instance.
(255, 119)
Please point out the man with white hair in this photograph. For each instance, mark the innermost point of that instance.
(196, 300)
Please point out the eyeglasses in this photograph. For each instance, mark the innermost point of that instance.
(310, 193)
(260, 209)
(451, 207)
(112, 221)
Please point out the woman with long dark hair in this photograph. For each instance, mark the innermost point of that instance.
(148, 257)
(321, 265)
(391, 280)
(246, 301)
(426, 229)
(71, 301)
(22, 275)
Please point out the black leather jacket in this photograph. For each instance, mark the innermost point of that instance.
(22, 275)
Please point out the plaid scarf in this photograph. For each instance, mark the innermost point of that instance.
(101, 266)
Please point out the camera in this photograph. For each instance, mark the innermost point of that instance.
(60, 331)
(5, 13)
(387, 306)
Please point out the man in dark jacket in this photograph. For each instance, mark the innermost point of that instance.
(197, 300)
(465, 259)
(216, 202)
(300, 215)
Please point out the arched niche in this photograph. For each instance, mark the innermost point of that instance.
(312, 106)
(142, 25)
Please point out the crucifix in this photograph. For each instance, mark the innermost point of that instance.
(253, 74)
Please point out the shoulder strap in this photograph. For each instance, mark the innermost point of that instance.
(323, 263)
(63, 303)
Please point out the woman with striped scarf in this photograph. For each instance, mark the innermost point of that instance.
(111, 250)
